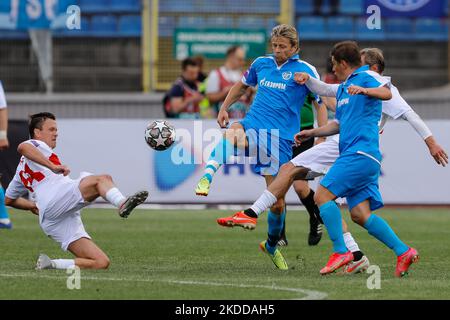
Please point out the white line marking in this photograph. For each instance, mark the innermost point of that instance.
(310, 294)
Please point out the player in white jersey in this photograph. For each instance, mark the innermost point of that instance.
(316, 161)
(58, 199)
(5, 223)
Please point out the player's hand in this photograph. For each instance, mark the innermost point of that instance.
(35, 209)
(4, 144)
(222, 118)
(303, 136)
(61, 169)
(319, 140)
(439, 155)
(301, 77)
(354, 90)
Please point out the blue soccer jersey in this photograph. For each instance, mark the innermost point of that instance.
(358, 115)
(279, 98)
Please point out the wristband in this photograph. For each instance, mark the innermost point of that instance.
(3, 135)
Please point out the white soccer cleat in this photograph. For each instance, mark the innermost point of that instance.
(357, 266)
(132, 202)
(44, 262)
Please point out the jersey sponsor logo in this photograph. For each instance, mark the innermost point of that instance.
(287, 75)
(343, 102)
(273, 85)
(404, 6)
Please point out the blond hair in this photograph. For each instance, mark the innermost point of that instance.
(286, 31)
(374, 56)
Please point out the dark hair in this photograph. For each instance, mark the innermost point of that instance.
(199, 60)
(231, 50)
(374, 56)
(347, 51)
(37, 120)
(188, 62)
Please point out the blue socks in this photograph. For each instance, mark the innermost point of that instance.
(276, 223)
(378, 228)
(3, 212)
(331, 216)
(220, 154)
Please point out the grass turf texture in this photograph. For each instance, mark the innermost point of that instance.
(174, 254)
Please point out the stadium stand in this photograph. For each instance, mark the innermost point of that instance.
(364, 33)
(130, 25)
(311, 28)
(396, 28)
(304, 7)
(339, 28)
(351, 7)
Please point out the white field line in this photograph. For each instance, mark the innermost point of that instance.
(310, 294)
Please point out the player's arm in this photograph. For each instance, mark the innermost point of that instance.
(32, 153)
(322, 117)
(328, 130)
(436, 151)
(236, 92)
(382, 93)
(22, 204)
(315, 85)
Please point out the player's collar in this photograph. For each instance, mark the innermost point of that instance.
(294, 57)
(359, 70)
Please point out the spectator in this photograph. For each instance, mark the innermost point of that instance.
(318, 7)
(222, 79)
(182, 100)
(200, 61)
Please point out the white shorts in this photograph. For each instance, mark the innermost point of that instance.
(62, 220)
(319, 158)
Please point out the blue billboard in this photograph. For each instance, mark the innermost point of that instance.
(411, 8)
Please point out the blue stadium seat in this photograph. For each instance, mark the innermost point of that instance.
(89, 6)
(103, 25)
(304, 7)
(251, 22)
(351, 7)
(220, 22)
(311, 28)
(431, 29)
(265, 6)
(125, 5)
(340, 28)
(364, 33)
(13, 34)
(166, 25)
(191, 22)
(398, 28)
(270, 23)
(5, 6)
(130, 25)
(177, 6)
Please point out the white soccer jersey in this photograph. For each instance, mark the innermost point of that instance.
(396, 106)
(2, 97)
(40, 182)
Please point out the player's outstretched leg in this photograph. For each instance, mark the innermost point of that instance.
(232, 141)
(380, 229)
(331, 216)
(5, 223)
(92, 187)
(276, 256)
(360, 262)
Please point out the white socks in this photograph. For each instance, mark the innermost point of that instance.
(115, 197)
(266, 200)
(5, 221)
(350, 243)
(63, 263)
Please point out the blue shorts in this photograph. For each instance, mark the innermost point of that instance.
(355, 177)
(270, 150)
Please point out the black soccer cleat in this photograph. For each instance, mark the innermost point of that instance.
(315, 231)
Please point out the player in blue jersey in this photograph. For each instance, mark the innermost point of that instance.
(5, 223)
(355, 173)
(268, 129)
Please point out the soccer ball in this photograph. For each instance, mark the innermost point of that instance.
(160, 135)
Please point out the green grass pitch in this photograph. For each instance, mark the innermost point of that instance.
(184, 254)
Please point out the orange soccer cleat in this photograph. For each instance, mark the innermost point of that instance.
(239, 219)
(336, 261)
(405, 260)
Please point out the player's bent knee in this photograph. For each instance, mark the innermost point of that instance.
(102, 263)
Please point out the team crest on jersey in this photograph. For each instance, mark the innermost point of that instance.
(404, 6)
(287, 75)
